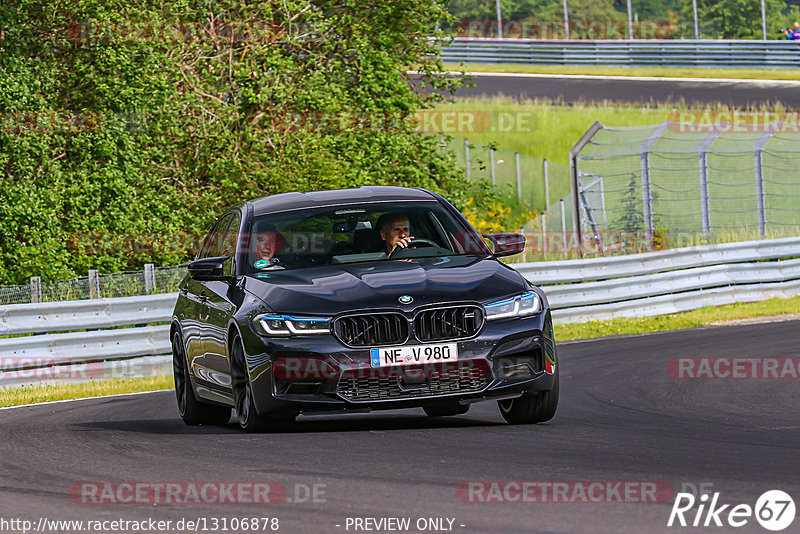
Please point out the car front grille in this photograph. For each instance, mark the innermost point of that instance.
(467, 376)
(441, 324)
(391, 328)
(371, 330)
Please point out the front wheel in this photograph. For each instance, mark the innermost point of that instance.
(531, 407)
(193, 412)
(248, 417)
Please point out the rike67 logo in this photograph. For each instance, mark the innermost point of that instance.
(774, 510)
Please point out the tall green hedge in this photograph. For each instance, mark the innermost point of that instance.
(115, 124)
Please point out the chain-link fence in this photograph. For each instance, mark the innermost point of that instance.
(677, 184)
(519, 178)
(96, 285)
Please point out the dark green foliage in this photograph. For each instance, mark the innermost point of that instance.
(166, 132)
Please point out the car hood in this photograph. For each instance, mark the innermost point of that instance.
(349, 287)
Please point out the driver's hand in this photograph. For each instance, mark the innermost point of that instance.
(402, 243)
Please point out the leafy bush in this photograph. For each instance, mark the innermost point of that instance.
(150, 132)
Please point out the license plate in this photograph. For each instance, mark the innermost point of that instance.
(413, 354)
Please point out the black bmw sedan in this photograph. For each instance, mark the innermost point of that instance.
(357, 300)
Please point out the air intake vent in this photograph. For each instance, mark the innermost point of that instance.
(371, 330)
(441, 324)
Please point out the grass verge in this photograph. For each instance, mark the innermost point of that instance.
(700, 317)
(54, 392)
(656, 72)
(544, 128)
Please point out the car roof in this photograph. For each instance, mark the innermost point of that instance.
(315, 199)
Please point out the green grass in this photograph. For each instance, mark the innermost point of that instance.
(54, 392)
(552, 128)
(739, 74)
(699, 317)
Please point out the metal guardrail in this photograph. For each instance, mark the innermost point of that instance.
(604, 268)
(778, 54)
(637, 285)
(671, 281)
(82, 314)
(70, 345)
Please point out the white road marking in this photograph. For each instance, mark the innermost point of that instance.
(82, 399)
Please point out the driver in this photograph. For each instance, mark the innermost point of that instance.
(395, 232)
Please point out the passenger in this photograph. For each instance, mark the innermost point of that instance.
(268, 243)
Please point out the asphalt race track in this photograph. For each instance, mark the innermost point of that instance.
(743, 94)
(621, 418)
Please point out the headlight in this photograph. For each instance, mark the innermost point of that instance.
(286, 325)
(519, 306)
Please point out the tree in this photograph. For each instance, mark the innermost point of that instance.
(736, 19)
(140, 118)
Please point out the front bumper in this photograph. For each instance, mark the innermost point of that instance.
(318, 374)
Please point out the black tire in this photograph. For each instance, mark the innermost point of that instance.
(531, 407)
(246, 413)
(446, 409)
(193, 412)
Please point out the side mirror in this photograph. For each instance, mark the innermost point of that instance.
(506, 244)
(208, 269)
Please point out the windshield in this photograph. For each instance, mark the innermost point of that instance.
(348, 234)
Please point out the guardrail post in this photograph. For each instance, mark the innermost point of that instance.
(705, 205)
(36, 289)
(761, 204)
(94, 284)
(524, 256)
(149, 278)
(519, 179)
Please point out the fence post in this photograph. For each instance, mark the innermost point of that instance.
(36, 289)
(149, 278)
(647, 195)
(544, 237)
(491, 158)
(761, 204)
(94, 284)
(519, 179)
(574, 186)
(705, 204)
(546, 187)
(466, 153)
(563, 228)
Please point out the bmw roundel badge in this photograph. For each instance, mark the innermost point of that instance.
(406, 299)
